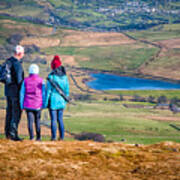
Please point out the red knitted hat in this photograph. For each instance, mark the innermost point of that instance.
(56, 62)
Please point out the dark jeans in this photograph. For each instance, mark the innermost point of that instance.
(34, 116)
(13, 115)
(57, 116)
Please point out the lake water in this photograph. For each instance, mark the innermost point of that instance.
(113, 82)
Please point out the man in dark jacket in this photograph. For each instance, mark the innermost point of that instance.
(13, 111)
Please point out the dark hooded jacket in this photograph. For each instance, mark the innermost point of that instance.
(60, 71)
(17, 75)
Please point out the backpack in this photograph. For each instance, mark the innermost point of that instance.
(5, 73)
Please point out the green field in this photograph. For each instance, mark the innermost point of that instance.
(162, 32)
(111, 58)
(118, 123)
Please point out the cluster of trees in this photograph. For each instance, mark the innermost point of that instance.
(160, 100)
(81, 97)
(151, 99)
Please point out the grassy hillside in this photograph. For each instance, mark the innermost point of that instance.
(168, 38)
(110, 58)
(158, 33)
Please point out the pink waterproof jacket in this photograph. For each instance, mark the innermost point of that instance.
(33, 95)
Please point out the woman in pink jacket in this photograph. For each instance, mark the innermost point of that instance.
(32, 98)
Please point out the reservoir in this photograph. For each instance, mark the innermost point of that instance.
(103, 81)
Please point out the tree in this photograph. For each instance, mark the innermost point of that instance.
(162, 100)
(14, 39)
(175, 100)
(151, 99)
(121, 97)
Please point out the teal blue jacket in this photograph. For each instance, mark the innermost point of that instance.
(54, 100)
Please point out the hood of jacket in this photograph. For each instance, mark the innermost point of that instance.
(60, 71)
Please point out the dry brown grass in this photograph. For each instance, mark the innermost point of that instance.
(162, 118)
(26, 28)
(46, 4)
(88, 160)
(42, 42)
(4, 21)
(169, 71)
(66, 60)
(167, 63)
(85, 39)
(171, 43)
(167, 45)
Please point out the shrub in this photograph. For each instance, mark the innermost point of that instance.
(162, 100)
(114, 99)
(29, 49)
(138, 98)
(151, 99)
(121, 97)
(90, 136)
(82, 97)
(15, 39)
(175, 100)
(40, 60)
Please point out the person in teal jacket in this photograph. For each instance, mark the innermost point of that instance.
(54, 101)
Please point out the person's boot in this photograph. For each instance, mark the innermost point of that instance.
(16, 138)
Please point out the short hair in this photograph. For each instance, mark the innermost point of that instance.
(18, 49)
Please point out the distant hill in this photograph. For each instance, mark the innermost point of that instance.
(99, 15)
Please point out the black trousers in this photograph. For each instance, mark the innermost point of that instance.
(34, 116)
(13, 115)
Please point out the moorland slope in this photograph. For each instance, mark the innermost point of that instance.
(88, 160)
